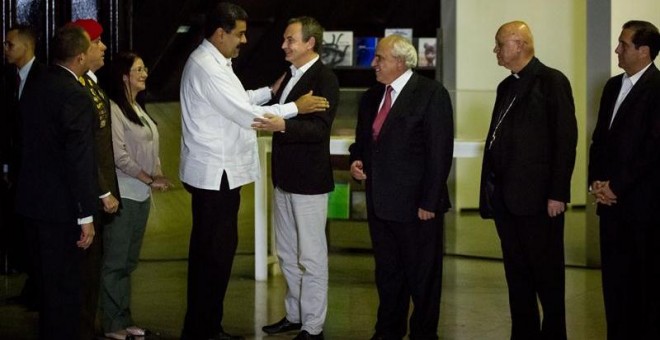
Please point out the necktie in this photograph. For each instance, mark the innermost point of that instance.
(625, 88)
(18, 85)
(382, 113)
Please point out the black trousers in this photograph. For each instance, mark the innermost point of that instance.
(408, 260)
(91, 278)
(213, 243)
(58, 265)
(630, 269)
(533, 252)
(13, 253)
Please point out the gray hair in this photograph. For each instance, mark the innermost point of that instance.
(403, 48)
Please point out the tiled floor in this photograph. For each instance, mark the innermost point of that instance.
(474, 301)
(474, 298)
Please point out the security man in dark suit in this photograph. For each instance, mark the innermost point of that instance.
(19, 48)
(403, 149)
(302, 176)
(624, 159)
(526, 181)
(57, 186)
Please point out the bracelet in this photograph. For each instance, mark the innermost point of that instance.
(150, 182)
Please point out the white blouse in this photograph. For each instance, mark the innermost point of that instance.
(135, 148)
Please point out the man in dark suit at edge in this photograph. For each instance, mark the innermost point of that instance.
(624, 159)
(57, 186)
(526, 181)
(302, 176)
(404, 154)
(19, 48)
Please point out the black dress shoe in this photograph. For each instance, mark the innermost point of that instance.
(281, 326)
(304, 335)
(224, 336)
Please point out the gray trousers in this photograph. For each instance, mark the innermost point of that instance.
(122, 241)
(303, 254)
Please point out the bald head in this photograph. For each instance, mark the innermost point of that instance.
(514, 45)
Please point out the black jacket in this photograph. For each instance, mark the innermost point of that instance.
(533, 154)
(301, 155)
(407, 168)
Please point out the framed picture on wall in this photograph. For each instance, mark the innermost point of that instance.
(405, 32)
(337, 48)
(427, 51)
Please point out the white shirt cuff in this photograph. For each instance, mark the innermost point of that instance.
(85, 220)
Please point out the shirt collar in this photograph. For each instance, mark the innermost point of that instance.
(399, 83)
(298, 72)
(23, 71)
(68, 70)
(635, 77)
(91, 75)
(221, 59)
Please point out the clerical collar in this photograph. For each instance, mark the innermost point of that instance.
(527, 69)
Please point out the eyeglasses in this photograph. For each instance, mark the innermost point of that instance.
(140, 69)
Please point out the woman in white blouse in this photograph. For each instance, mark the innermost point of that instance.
(135, 146)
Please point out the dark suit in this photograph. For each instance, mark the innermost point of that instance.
(407, 169)
(301, 166)
(56, 186)
(628, 155)
(91, 265)
(301, 155)
(529, 161)
(12, 231)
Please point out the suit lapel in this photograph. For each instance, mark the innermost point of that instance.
(632, 96)
(403, 101)
(285, 81)
(303, 84)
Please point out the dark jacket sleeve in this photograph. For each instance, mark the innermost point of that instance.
(563, 135)
(439, 135)
(315, 127)
(76, 119)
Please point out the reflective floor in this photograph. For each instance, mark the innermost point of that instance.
(474, 297)
(474, 300)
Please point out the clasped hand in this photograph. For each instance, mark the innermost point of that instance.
(602, 192)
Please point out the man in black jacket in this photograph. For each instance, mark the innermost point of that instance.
(19, 48)
(57, 185)
(302, 176)
(525, 181)
(403, 149)
(624, 159)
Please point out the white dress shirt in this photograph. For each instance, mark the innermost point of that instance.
(397, 85)
(23, 73)
(627, 83)
(296, 74)
(216, 114)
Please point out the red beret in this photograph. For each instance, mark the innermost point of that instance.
(91, 26)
